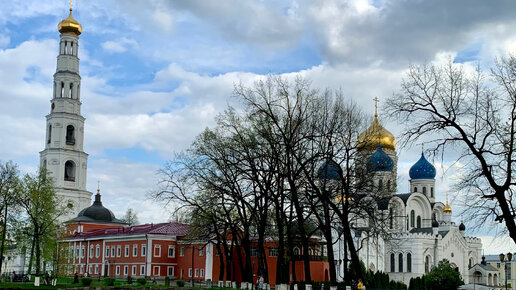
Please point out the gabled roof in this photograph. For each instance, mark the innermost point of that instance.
(168, 229)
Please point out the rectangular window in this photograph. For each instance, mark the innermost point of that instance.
(182, 251)
(201, 251)
(97, 251)
(135, 250)
(126, 251)
(189, 272)
(156, 271)
(83, 252)
(107, 251)
(118, 251)
(144, 250)
(118, 270)
(196, 272)
(90, 269)
(202, 273)
(126, 270)
(171, 251)
(509, 271)
(254, 251)
(113, 251)
(134, 270)
(170, 271)
(142, 270)
(157, 250)
(96, 269)
(273, 252)
(91, 251)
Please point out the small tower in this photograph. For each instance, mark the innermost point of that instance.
(382, 166)
(422, 178)
(64, 154)
(447, 213)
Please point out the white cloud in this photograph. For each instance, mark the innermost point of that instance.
(119, 45)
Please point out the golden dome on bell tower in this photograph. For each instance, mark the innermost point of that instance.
(69, 24)
(376, 134)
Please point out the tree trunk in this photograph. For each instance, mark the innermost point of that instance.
(3, 236)
(31, 259)
(38, 250)
(329, 244)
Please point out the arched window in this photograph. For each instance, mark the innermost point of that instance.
(49, 134)
(424, 190)
(70, 135)
(310, 251)
(45, 163)
(427, 264)
(391, 218)
(415, 189)
(412, 218)
(297, 252)
(392, 263)
(470, 263)
(409, 262)
(418, 222)
(69, 174)
(431, 192)
(380, 184)
(70, 91)
(62, 90)
(389, 185)
(400, 262)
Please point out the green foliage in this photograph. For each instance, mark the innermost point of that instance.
(378, 280)
(129, 280)
(108, 281)
(86, 281)
(441, 277)
(141, 281)
(167, 281)
(180, 283)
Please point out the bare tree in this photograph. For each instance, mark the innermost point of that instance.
(471, 114)
(8, 197)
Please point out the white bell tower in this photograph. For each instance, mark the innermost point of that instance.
(64, 154)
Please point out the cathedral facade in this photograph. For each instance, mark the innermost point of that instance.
(418, 230)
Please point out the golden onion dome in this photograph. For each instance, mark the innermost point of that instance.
(70, 25)
(447, 208)
(374, 135)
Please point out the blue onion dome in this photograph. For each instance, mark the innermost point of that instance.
(422, 169)
(329, 170)
(379, 161)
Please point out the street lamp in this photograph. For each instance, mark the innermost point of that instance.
(502, 259)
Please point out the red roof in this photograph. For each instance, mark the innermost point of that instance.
(168, 229)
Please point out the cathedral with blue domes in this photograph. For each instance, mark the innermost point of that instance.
(419, 231)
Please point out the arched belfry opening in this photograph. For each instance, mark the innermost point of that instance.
(69, 173)
(70, 135)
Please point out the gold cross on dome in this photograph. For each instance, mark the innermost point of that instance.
(376, 106)
(71, 4)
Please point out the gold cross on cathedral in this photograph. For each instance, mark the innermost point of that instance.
(71, 5)
(376, 106)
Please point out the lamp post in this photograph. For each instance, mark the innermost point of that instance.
(508, 260)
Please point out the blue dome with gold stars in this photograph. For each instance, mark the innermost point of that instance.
(379, 161)
(329, 170)
(422, 169)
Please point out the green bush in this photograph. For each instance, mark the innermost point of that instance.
(129, 280)
(108, 281)
(180, 283)
(167, 281)
(86, 281)
(141, 281)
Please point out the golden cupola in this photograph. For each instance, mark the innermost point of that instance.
(376, 134)
(447, 207)
(70, 25)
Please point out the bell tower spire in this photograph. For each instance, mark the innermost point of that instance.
(64, 154)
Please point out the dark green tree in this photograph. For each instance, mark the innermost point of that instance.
(443, 277)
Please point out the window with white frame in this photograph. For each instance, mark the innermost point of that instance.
(135, 250)
(273, 252)
(201, 251)
(107, 251)
(144, 250)
(142, 270)
(83, 252)
(118, 251)
(96, 269)
(126, 270)
(90, 268)
(196, 272)
(182, 251)
(118, 270)
(254, 251)
(97, 251)
(189, 272)
(81, 269)
(202, 273)
(113, 251)
(171, 251)
(170, 271)
(126, 251)
(91, 251)
(157, 250)
(134, 270)
(155, 271)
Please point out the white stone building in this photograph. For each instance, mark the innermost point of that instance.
(419, 232)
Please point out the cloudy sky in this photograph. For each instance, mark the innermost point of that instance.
(156, 72)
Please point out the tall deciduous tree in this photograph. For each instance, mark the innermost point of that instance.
(42, 208)
(9, 199)
(475, 115)
(130, 217)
